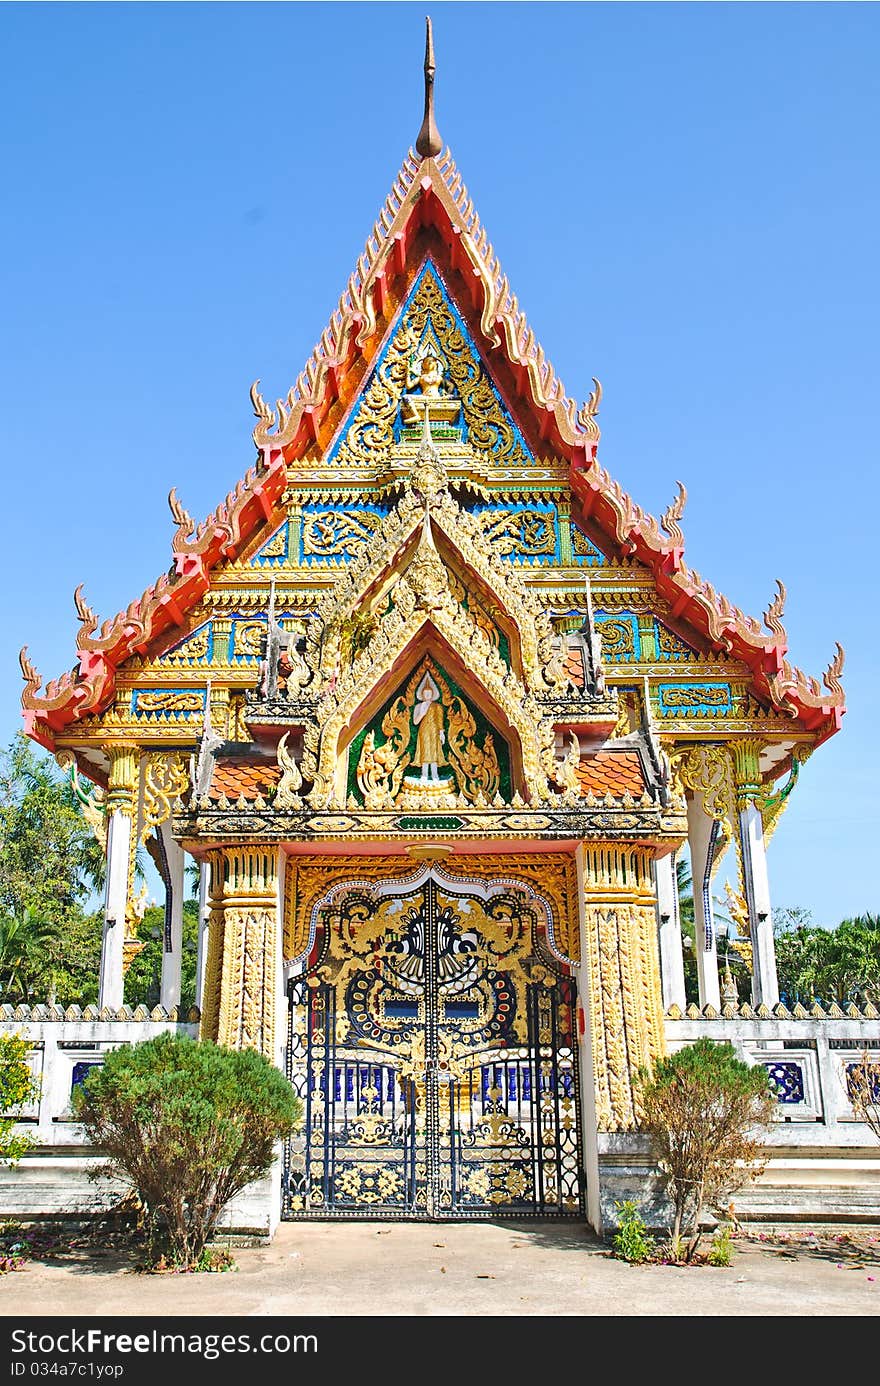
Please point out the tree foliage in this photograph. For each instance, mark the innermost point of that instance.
(839, 965)
(144, 977)
(704, 1109)
(186, 1124)
(17, 1087)
(49, 859)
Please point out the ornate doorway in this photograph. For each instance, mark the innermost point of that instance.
(432, 1040)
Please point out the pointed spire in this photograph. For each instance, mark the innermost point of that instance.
(429, 143)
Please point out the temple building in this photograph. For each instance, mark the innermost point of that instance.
(437, 707)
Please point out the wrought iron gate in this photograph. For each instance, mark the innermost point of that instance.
(432, 1043)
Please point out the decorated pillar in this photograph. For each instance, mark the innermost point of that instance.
(172, 942)
(704, 833)
(241, 967)
(669, 932)
(122, 804)
(204, 921)
(587, 1065)
(619, 947)
(754, 870)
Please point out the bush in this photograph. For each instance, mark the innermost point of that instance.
(702, 1105)
(186, 1124)
(631, 1242)
(721, 1250)
(17, 1086)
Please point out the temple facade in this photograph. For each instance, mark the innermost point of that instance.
(437, 707)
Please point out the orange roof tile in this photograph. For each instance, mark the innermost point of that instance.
(615, 772)
(249, 778)
(574, 667)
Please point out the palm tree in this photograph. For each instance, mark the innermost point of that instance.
(26, 941)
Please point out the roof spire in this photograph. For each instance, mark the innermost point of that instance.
(429, 143)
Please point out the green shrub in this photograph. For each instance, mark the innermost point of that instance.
(721, 1249)
(186, 1124)
(631, 1241)
(17, 1087)
(704, 1108)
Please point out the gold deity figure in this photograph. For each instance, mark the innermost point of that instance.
(428, 717)
(426, 386)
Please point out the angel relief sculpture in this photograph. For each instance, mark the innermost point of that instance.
(429, 746)
(427, 387)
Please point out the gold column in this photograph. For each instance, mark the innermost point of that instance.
(746, 771)
(626, 1003)
(241, 979)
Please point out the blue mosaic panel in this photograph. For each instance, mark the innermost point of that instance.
(618, 634)
(788, 1080)
(524, 531)
(272, 554)
(80, 1073)
(584, 550)
(874, 1067)
(700, 699)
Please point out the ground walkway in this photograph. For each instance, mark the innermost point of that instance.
(466, 1269)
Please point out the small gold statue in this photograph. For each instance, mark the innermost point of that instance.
(426, 386)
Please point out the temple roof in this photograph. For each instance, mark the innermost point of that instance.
(607, 774)
(428, 214)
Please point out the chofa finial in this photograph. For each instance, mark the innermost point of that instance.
(429, 143)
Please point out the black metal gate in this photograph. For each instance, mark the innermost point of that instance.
(433, 1045)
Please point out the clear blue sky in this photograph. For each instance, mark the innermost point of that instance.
(685, 198)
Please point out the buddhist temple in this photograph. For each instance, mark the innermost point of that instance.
(436, 706)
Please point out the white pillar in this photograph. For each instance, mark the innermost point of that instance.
(669, 926)
(204, 918)
(111, 984)
(702, 834)
(751, 830)
(587, 1077)
(172, 957)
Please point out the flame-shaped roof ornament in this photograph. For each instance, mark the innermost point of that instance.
(429, 143)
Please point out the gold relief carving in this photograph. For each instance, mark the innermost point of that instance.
(668, 643)
(168, 702)
(747, 770)
(630, 714)
(248, 637)
(618, 640)
(196, 647)
(286, 794)
(426, 573)
(705, 769)
(626, 1005)
(446, 735)
(696, 697)
(529, 533)
(339, 705)
(247, 995)
(210, 1006)
(276, 547)
(166, 778)
(123, 780)
(329, 533)
(582, 546)
(240, 975)
(238, 729)
(370, 437)
(551, 875)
